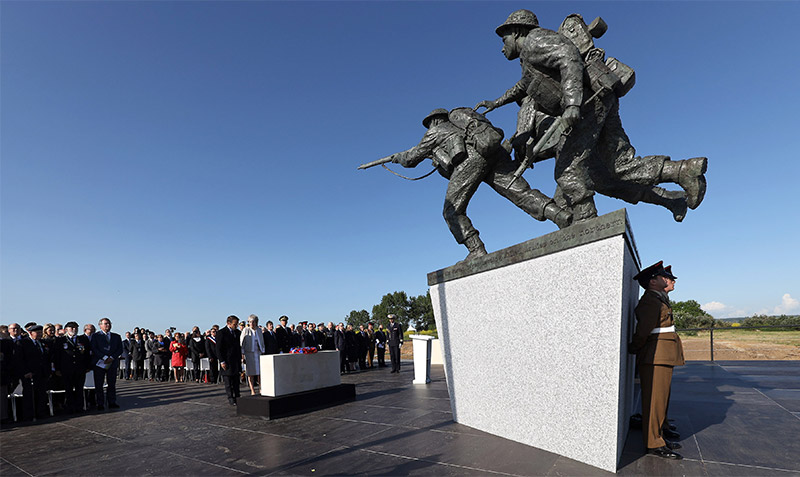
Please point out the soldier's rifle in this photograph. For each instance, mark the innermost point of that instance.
(558, 126)
(380, 161)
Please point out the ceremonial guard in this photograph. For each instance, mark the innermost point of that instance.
(658, 350)
(72, 359)
(395, 332)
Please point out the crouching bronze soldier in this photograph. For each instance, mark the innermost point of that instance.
(467, 149)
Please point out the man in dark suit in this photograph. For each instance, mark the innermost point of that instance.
(72, 359)
(658, 350)
(229, 352)
(341, 345)
(270, 340)
(106, 350)
(211, 352)
(32, 357)
(395, 332)
(283, 335)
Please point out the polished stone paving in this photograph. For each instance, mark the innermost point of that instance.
(739, 418)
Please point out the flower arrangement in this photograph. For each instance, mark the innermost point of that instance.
(306, 350)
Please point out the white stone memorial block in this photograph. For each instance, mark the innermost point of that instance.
(283, 374)
(568, 387)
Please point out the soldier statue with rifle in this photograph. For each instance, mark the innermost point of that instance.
(592, 152)
(569, 109)
(467, 149)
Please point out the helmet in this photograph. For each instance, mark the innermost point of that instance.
(520, 17)
(436, 112)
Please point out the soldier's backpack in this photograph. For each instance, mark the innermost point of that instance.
(604, 73)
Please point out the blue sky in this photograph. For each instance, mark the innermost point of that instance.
(171, 163)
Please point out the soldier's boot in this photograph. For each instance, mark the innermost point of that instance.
(475, 246)
(561, 217)
(674, 200)
(583, 210)
(689, 174)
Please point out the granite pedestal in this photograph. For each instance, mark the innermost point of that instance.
(559, 378)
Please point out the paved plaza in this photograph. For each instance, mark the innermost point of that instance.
(735, 417)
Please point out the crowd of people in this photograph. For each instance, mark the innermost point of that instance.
(38, 359)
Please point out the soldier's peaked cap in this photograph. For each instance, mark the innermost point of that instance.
(71, 324)
(522, 17)
(35, 327)
(653, 270)
(436, 112)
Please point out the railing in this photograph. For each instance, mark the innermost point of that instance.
(711, 329)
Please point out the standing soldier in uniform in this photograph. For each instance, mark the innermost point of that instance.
(593, 153)
(395, 333)
(72, 360)
(32, 357)
(467, 149)
(658, 350)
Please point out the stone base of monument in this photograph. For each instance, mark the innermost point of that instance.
(535, 336)
(291, 404)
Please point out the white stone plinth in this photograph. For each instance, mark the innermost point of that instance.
(283, 374)
(422, 358)
(564, 383)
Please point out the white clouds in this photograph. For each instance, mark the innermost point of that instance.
(718, 309)
(721, 310)
(714, 307)
(787, 306)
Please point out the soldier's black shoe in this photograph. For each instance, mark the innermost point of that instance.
(673, 445)
(670, 434)
(665, 453)
(101, 408)
(113, 406)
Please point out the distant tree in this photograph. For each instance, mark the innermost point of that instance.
(420, 312)
(764, 320)
(688, 314)
(356, 318)
(396, 303)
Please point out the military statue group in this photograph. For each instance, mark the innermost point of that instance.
(568, 100)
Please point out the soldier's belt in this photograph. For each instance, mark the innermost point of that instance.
(668, 329)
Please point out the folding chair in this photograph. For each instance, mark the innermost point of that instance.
(148, 369)
(17, 393)
(50, 393)
(189, 365)
(88, 385)
(205, 368)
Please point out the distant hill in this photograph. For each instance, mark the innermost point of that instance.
(742, 318)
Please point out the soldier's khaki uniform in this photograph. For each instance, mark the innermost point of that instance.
(657, 354)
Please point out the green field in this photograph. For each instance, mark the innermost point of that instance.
(789, 337)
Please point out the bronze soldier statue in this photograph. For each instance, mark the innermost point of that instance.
(467, 149)
(575, 91)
